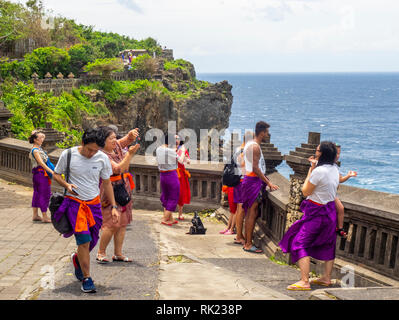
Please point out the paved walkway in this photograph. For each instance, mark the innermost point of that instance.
(168, 263)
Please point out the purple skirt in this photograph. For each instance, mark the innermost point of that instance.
(71, 208)
(250, 189)
(170, 187)
(237, 194)
(314, 234)
(41, 190)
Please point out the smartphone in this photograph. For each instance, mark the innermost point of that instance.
(74, 190)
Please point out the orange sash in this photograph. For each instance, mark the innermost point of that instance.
(177, 170)
(84, 213)
(45, 174)
(251, 174)
(180, 172)
(125, 175)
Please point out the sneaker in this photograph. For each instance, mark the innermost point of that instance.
(76, 265)
(88, 285)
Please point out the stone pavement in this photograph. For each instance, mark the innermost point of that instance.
(167, 263)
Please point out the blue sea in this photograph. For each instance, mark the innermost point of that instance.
(360, 111)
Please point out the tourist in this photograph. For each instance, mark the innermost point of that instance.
(314, 234)
(338, 204)
(120, 162)
(42, 171)
(254, 183)
(239, 159)
(184, 175)
(167, 164)
(82, 203)
(233, 209)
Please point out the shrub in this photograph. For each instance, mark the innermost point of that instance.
(48, 59)
(81, 54)
(144, 63)
(104, 67)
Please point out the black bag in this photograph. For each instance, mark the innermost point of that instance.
(197, 227)
(122, 197)
(230, 177)
(63, 225)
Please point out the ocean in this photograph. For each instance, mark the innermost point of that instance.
(360, 111)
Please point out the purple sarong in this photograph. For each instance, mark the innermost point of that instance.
(237, 194)
(170, 186)
(41, 190)
(71, 208)
(314, 234)
(250, 189)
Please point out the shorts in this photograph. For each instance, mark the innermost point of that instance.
(82, 238)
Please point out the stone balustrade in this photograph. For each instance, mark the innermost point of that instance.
(371, 217)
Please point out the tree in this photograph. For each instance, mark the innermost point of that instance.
(12, 22)
(104, 67)
(81, 54)
(48, 59)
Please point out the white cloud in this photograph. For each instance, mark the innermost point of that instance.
(131, 5)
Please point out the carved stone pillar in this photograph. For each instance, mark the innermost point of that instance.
(298, 161)
(272, 156)
(5, 125)
(52, 137)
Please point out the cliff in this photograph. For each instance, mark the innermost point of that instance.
(175, 96)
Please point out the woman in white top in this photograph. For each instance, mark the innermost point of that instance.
(170, 186)
(314, 234)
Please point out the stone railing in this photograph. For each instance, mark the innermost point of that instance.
(371, 217)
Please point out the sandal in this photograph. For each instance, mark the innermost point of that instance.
(37, 219)
(223, 231)
(253, 249)
(298, 287)
(229, 232)
(180, 218)
(320, 283)
(121, 259)
(101, 259)
(166, 223)
(341, 232)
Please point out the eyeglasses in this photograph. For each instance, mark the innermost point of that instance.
(318, 150)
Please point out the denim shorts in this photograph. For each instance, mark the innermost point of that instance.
(82, 238)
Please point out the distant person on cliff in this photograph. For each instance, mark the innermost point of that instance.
(338, 204)
(167, 159)
(184, 175)
(237, 195)
(314, 234)
(120, 162)
(42, 170)
(254, 182)
(82, 204)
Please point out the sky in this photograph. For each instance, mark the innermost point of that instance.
(220, 36)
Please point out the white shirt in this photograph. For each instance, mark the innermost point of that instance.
(85, 173)
(166, 158)
(326, 180)
(248, 159)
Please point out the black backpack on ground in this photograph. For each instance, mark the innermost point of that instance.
(197, 227)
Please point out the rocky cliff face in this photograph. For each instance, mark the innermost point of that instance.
(191, 103)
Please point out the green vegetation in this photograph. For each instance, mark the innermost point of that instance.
(104, 67)
(78, 44)
(32, 110)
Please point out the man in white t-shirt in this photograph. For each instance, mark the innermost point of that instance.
(82, 203)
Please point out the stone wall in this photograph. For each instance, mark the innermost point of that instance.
(371, 217)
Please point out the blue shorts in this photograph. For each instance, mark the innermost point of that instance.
(82, 238)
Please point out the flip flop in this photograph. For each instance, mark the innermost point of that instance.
(121, 259)
(253, 250)
(102, 259)
(180, 218)
(238, 242)
(166, 224)
(319, 283)
(37, 220)
(297, 287)
(174, 222)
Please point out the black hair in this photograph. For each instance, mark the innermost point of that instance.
(328, 153)
(106, 131)
(168, 139)
(33, 136)
(261, 126)
(94, 135)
